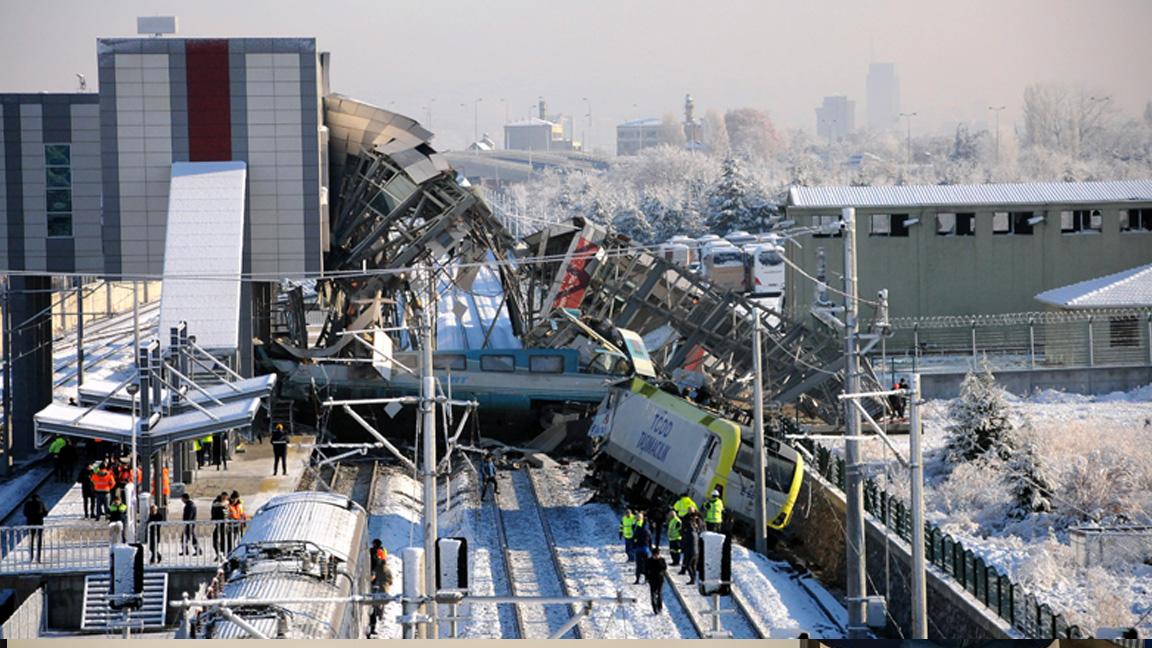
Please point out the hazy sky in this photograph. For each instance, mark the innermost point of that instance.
(637, 57)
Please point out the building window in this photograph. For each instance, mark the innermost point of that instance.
(58, 192)
(1012, 223)
(1124, 332)
(826, 221)
(889, 225)
(953, 224)
(1136, 220)
(1081, 220)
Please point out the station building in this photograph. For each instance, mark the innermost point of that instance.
(85, 180)
(971, 249)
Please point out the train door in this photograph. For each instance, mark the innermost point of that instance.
(704, 471)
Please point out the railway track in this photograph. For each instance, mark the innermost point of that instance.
(103, 339)
(518, 529)
(506, 560)
(576, 632)
(736, 617)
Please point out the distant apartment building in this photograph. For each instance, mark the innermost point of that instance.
(836, 117)
(541, 133)
(638, 134)
(883, 89)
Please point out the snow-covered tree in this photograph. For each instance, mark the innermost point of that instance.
(751, 133)
(631, 222)
(735, 204)
(1027, 476)
(980, 425)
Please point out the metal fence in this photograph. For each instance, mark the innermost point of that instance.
(85, 546)
(989, 585)
(1045, 340)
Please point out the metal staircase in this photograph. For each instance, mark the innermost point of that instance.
(99, 617)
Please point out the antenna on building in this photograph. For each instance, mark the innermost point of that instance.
(157, 26)
(82, 82)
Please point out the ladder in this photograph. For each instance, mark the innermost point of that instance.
(99, 617)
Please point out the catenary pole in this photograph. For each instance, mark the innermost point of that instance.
(758, 435)
(428, 432)
(916, 465)
(854, 482)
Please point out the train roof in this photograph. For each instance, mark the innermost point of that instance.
(328, 520)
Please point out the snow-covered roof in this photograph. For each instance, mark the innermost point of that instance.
(1031, 193)
(1128, 289)
(533, 121)
(646, 121)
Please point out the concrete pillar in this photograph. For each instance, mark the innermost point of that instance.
(30, 301)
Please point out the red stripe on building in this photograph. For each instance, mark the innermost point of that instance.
(209, 105)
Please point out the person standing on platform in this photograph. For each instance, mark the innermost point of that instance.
(188, 533)
(641, 546)
(656, 569)
(279, 449)
(34, 514)
(674, 536)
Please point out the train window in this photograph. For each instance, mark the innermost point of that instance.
(450, 362)
(546, 364)
(501, 363)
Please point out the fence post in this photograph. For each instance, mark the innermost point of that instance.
(1031, 343)
(1091, 345)
(916, 343)
(974, 354)
(1149, 338)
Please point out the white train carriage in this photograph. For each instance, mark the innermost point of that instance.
(298, 545)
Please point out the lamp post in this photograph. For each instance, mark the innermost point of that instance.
(588, 135)
(997, 109)
(429, 109)
(476, 119)
(130, 487)
(909, 154)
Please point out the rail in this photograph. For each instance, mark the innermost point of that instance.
(85, 547)
(987, 583)
(506, 559)
(556, 564)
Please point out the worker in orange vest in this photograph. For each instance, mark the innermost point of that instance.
(236, 518)
(165, 485)
(102, 484)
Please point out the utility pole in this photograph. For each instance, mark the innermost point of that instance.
(6, 464)
(758, 435)
(428, 432)
(909, 116)
(79, 334)
(997, 109)
(916, 466)
(854, 479)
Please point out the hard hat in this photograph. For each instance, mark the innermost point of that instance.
(715, 493)
(279, 426)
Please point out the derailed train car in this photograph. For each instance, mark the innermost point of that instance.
(656, 444)
(298, 545)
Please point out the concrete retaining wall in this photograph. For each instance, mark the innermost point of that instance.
(817, 535)
(1087, 380)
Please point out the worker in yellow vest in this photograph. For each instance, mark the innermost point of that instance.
(674, 524)
(627, 529)
(684, 505)
(714, 512)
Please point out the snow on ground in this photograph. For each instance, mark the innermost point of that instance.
(1082, 439)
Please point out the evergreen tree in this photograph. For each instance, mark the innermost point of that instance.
(735, 204)
(598, 212)
(980, 425)
(1028, 477)
(631, 222)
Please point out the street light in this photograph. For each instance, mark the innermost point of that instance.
(997, 109)
(476, 119)
(130, 487)
(909, 116)
(588, 135)
(430, 102)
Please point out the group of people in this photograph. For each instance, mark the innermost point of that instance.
(684, 523)
(102, 488)
(211, 450)
(228, 516)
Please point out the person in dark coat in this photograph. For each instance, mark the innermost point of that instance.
(690, 535)
(656, 569)
(657, 518)
(641, 546)
(155, 516)
(903, 400)
(219, 513)
(188, 534)
(87, 493)
(381, 581)
(279, 448)
(488, 472)
(34, 514)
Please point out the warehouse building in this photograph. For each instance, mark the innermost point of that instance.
(972, 249)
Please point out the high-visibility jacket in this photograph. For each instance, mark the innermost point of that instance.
(684, 505)
(207, 439)
(627, 526)
(196, 445)
(674, 524)
(117, 512)
(236, 510)
(714, 511)
(57, 445)
(103, 481)
(165, 485)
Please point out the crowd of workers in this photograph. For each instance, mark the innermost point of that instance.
(684, 522)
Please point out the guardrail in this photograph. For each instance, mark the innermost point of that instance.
(988, 584)
(85, 546)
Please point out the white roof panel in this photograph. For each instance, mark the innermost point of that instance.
(1033, 193)
(1128, 289)
(203, 253)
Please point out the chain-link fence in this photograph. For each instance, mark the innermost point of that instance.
(1045, 340)
(1003, 597)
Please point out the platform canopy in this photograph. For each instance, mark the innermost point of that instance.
(94, 391)
(1128, 289)
(204, 253)
(116, 427)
